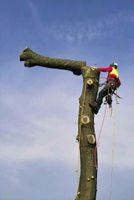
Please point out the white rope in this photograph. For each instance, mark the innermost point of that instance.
(113, 154)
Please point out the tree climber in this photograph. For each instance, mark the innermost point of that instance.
(112, 83)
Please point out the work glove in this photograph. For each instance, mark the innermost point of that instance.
(93, 67)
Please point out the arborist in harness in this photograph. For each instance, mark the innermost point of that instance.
(112, 83)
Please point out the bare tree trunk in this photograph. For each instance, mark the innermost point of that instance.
(87, 139)
(86, 133)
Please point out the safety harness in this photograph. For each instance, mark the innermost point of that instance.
(112, 90)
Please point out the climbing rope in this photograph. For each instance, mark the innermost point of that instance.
(113, 156)
(113, 148)
(99, 136)
(113, 141)
(102, 124)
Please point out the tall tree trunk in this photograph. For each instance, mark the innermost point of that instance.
(86, 133)
(88, 149)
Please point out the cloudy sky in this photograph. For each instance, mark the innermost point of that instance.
(39, 107)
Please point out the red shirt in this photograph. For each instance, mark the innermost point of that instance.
(109, 69)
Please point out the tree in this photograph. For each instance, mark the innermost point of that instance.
(86, 132)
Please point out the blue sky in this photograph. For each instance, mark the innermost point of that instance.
(39, 107)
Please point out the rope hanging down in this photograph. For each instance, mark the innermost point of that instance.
(113, 138)
(100, 132)
(113, 149)
(102, 124)
(113, 156)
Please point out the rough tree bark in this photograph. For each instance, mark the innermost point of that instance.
(86, 132)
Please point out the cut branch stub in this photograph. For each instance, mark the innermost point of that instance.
(85, 119)
(90, 82)
(91, 139)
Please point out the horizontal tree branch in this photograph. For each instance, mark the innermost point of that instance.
(32, 59)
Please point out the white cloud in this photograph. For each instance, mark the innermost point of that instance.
(79, 30)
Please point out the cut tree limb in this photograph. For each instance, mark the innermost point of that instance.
(32, 59)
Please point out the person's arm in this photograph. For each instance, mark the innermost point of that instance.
(106, 69)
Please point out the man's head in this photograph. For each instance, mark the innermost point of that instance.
(115, 65)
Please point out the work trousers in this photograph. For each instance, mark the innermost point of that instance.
(106, 91)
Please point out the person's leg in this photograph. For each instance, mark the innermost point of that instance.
(109, 99)
(96, 106)
(101, 95)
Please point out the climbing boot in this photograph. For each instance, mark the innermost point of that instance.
(109, 100)
(95, 108)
